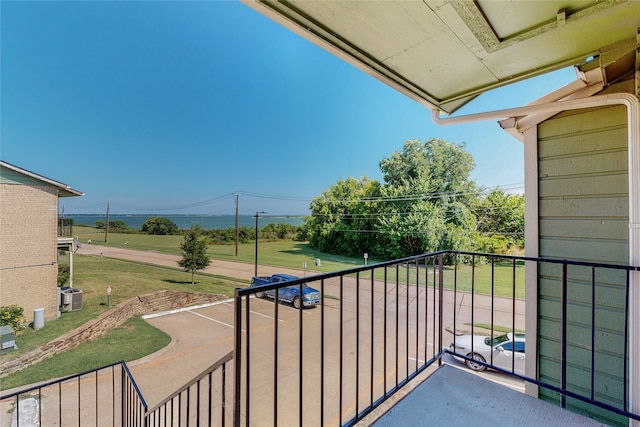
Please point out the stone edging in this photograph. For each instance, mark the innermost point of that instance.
(136, 306)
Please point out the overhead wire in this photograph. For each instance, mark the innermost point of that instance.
(381, 199)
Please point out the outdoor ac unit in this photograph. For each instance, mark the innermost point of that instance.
(71, 299)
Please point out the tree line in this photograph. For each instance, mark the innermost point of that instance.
(165, 226)
(426, 203)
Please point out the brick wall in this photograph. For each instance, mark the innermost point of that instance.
(144, 304)
(28, 232)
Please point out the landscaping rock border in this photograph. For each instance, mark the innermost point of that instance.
(136, 306)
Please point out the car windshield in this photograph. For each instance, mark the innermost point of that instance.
(496, 341)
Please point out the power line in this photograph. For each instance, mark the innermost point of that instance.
(322, 198)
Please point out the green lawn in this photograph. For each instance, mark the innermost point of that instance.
(141, 338)
(284, 253)
(127, 279)
(287, 253)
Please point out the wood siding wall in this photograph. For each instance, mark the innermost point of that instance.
(583, 215)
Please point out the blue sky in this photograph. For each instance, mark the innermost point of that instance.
(175, 106)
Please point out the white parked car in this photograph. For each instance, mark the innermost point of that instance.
(504, 351)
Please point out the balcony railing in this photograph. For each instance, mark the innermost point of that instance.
(65, 227)
(379, 327)
(107, 396)
(200, 402)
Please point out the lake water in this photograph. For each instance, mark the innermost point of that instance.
(185, 221)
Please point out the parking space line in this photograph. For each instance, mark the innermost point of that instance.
(210, 318)
(255, 312)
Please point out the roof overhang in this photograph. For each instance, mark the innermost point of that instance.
(63, 189)
(445, 53)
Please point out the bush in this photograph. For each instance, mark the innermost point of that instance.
(159, 226)
(12, 315)
(64, 271)
(116, 226)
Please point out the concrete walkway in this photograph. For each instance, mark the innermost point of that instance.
(240, 270)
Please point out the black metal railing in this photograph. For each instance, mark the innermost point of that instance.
(65, 227)
(582, 308)
(377, 328)
(200, 402)
(107, 396)
(380, 326)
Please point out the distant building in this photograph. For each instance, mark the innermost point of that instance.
(31, 240)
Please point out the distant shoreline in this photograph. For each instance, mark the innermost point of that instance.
(184, 221)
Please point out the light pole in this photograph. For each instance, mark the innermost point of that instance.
(256, 265)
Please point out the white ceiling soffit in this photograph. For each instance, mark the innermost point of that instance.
(444, 53)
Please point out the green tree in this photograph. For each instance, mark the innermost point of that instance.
(343, 220)
(440, 167)
(118, 226)
(160, 226)
(429, 193)
(501, 220)
(194, 251)
(423, 206)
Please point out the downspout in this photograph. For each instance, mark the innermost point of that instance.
(633, 135)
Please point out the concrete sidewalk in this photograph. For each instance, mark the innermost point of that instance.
(239, 270)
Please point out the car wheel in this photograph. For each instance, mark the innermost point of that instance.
(296, 302)
(260, 295)
(473, 365)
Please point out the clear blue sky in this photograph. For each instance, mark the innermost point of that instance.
(175, 106)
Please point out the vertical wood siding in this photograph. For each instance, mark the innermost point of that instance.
(583, 215)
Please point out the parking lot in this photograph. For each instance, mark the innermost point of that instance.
(202, 335)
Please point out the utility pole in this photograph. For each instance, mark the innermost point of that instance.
(237, 224)
(257, 216)
(106, 226)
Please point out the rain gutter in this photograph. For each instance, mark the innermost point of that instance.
(633, 135)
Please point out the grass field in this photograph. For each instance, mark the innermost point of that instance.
(127, 279)
(283, 253)
(92, 354)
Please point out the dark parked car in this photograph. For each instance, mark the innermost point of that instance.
(310, 296)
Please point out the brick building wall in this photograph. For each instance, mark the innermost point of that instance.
(28, 236)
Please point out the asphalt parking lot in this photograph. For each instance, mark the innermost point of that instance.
(202, 335)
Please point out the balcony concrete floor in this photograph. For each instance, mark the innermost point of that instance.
(453, 397)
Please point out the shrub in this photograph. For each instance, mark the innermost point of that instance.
(64, 271)
(12, 315)
(159, 226)
(116, 226)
